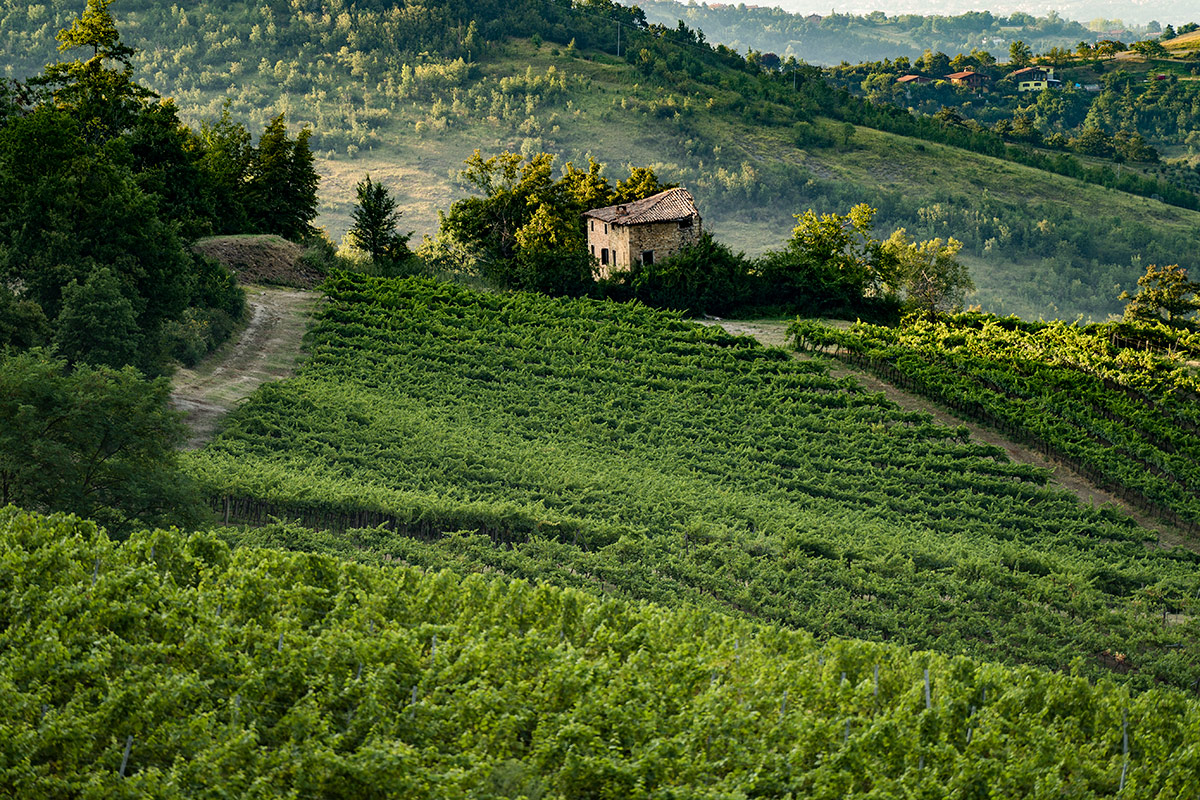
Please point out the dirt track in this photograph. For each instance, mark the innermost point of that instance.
(267, 349)
(773, 333)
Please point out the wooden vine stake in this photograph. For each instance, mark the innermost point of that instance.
(1124, 747)
(125, 758)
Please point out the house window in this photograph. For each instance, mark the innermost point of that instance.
(593, 251)
(647, 256)
(593, 224)
(684, 224)
(606, 227)
(604, 255)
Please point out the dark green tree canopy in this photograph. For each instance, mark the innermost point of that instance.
(94, 441)
(375, 220)
(281, 183)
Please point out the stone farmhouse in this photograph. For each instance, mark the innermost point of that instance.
(643, 231)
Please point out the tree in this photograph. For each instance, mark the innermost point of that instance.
(226, 153)
(99, 92)
(641, 183)
(1019, 54)
(374, 229)
(704, 277)
(94, 441)
(98, 324)
(512, 188)
(828, 263)
(1150, 49)
(281, 185)
(929, 273)
(1164, 294)
(552, 255)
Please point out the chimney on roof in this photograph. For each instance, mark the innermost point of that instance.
(622, 211)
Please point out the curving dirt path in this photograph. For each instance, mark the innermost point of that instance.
(267, 349)
(773, 333)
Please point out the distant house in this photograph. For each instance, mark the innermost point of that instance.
(813, 19)
(643, 231)
(1034, 79)
(913, 79)
(969, 78)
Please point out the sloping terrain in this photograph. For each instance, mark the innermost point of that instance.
(614, 448)
(265, 350)
(774, 334)
(753, 154)
(172, 666)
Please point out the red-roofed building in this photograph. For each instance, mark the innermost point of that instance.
(913, 79)
(643, 231)
(970, 78)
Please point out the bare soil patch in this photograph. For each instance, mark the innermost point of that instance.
(268, 260)
(774, 333)
(267, 349)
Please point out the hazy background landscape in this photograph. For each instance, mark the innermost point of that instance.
(1130, 11)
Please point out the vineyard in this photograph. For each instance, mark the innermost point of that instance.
(172, 666)
(1116, 402)
(623, 450)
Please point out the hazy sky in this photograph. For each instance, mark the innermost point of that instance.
(1134, 12)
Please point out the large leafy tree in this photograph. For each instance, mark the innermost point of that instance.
(95, 441)
(928, 273)
(1164, 294)
(828, 263)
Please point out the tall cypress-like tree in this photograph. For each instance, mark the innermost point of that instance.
(281, 192)
(375, 220)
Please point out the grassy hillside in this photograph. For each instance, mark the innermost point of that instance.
(171, 666)
(611, 447)
(1039, 244)
(752, 153)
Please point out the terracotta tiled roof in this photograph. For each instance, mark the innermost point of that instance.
(1026, 71)
(967, 74)
(911, 78)
(672, 205)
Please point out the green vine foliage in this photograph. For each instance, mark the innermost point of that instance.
(617, 448)
(173, 666)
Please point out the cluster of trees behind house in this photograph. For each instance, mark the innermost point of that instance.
(523, 229)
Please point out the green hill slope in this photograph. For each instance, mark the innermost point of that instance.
(608, 446)
(169, 666)
(387, 93)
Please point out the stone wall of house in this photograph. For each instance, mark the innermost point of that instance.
(661, 238)
(626, 243)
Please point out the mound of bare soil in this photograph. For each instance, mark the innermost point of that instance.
(261, 259)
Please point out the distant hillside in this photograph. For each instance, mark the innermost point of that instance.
(408, 97)
(820, 37)
(1112, 13)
